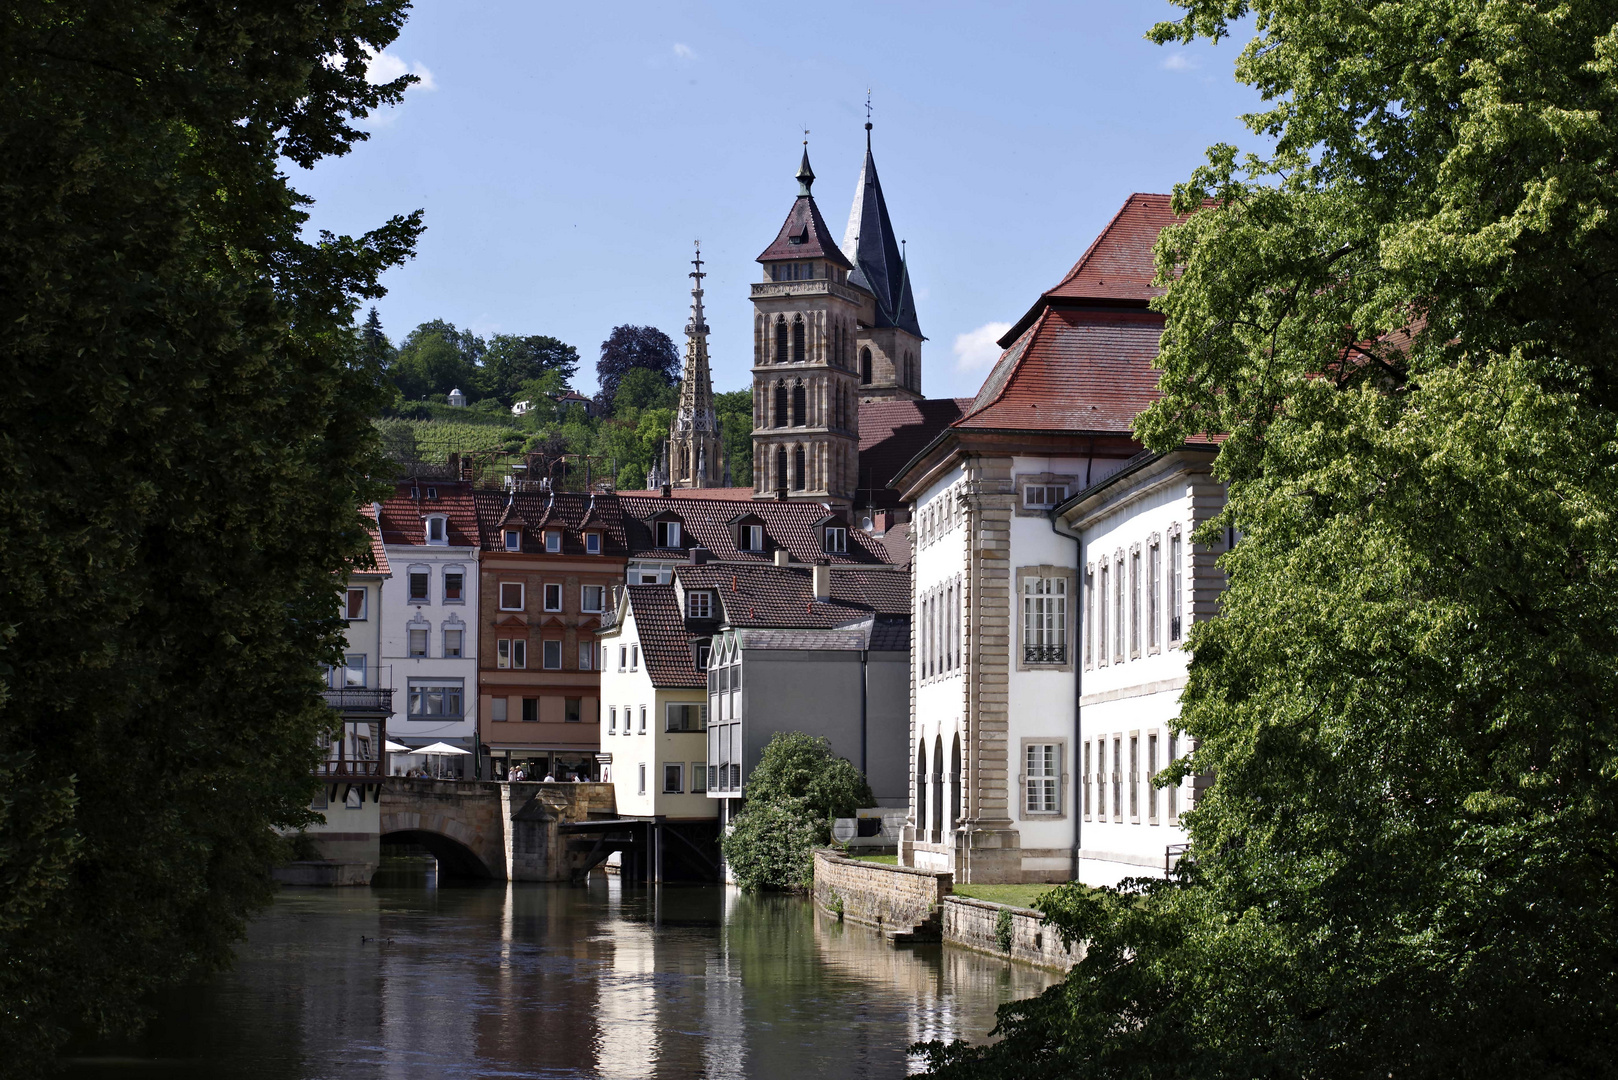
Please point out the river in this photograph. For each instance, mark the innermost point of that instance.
(410, 979)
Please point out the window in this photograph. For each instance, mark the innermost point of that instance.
(1154, 586)
(1043, 496)
(593, 598)
(551, 655)
(572, 710)
(649, 577)
(799, 404)
(1151, 771)
(418, 586)
(779, 401)
(418, 641)
(642, 789)
(437, 531)
(586, 655)
(714, 782)
(780, 337)
(553, 597)
(797, 340)
(703, 650)
(1117, 778)
(1174, 789)
(553, 541)
(592, 543)
(354, 605)
(452, 641)
(530, 710)
(1174, 593)
(1044, 620)
(1041, 778)
(511, 653)
(698, 605)
(685, 717)
(797, 469)
(1101, 618)
(354, 670)
(513, 540)
(673, 778)
(1089, 617)
(642, 720)
(836, 541)
(752, 538)
(668, 534)
(1134, 777)
(781, 468)
(497, 709)
(612, 720)
(1134, 603)
(1087, 780)
(511, 598)
(1118, 611)
(699, 773)
(634, 657)
(623, 657)
(454, 587)
(435, 699)
(865, 366)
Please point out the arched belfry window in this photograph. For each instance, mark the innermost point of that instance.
(781, 468)
(780, 404)
(799, 404)
(781, 341)
(797, 469)
(797, 340)
(865, 367)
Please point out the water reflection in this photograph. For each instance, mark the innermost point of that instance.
(405, 980)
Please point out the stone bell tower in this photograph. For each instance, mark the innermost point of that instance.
(805, 383)
(695, 453)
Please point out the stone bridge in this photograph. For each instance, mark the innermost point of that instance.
(492, 829)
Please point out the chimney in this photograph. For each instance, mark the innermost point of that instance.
(822, 580)
(700, 555)
(666, 490)
(783, 557)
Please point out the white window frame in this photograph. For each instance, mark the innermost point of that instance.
(699, 604)
(1044, 619)
(513, 539)
(668, 534)
(592, 543)
(553, 541)
(460, 642)
(348, 603)
(497, 710)
(522, 595)
(699, 777)
(1043, 496)
(835, 541)
(418, 688)
(752, 537)
(426, 638)
(549, 593)
(425, 575)
(511, 654)
(1042, 778)
(612, 720)
(623, 658)
(642, 788)
(440, 523)
(600, 594)
(587, 656)
(634, 656)
(642, 730)
(443, 585)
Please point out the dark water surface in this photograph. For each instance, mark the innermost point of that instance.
(556, 981)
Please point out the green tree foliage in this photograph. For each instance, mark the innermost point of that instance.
(641, 389)
(437, 357)
(735, 410)
(1404, 317)
(184, 439)
(514, 361)
(793, 794)
(630, 347)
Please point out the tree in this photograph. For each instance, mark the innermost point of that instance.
(437, 357)
(642, 389)
(793, 794)
(630, 347)
(735, 410)
(514, 360)
(1403, 318)
(184, 440)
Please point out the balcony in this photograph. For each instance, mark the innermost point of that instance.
(354, 753)
(1044, 654)
(360, 700)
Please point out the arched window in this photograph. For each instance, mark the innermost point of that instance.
(799, 404)
(910, 372)
(865, 367)
(781, 341)
(938, 790)
(797, 469)
(797, 339)
(780, 404)
(921, 791)
(955, 782)
(780, 468)
(837, 344)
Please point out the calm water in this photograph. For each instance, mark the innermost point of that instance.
(555, 981)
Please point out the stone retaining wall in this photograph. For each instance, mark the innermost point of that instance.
(897, 899)
(974, 924)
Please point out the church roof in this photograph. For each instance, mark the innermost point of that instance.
(805, 234)
(879, 267)
(893, 432)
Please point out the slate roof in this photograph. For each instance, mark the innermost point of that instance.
(665, 637)
(869, 241)
(533, 512)
(804, 234)
(403, 519)
(893, 432)
(890, 634)
(707, 524)
(782, 597)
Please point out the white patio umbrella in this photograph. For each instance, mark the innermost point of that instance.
(396, 748)
(442, 749)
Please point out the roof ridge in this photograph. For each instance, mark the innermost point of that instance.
(1026, 336)
(1102, 235)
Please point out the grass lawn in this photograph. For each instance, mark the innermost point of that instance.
(886, 860)
(1015, 895)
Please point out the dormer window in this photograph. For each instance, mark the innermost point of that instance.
(836, 540)
(553, 541)
(699, 604)
(432, 493)
(668, 534)
(592, 543)
(750, 538)
(513, 539)
(437, 529)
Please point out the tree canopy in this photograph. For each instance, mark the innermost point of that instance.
(1402, 318)
(184, 441)
(793, 794)
(630, 347)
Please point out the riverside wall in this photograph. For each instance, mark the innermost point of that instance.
(975, 924)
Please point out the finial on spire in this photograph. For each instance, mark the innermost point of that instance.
(806, 175)
(867, 118)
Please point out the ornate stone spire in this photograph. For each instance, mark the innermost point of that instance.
(694, 446)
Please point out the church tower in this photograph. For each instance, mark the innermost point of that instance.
(888, 357)
(806, 318)
(695, 453)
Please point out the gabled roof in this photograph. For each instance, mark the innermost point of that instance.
(1118, 264)
(891, 433)
(869, 241)
(804, 235)
(665, 638)
(573, 512)
(782, 597)
(707, 523)
(403, 519)
(379, 554)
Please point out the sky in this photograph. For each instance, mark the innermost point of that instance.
(567, 156)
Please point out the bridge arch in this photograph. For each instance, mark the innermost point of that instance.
(455, 859)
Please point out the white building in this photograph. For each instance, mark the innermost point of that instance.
(430, 616)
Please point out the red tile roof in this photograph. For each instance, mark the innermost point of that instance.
(403, 519)
(1118, 264)
(783, 596)
(707, 523)
(568, 510)
(732, 494)
(665, 640)
(804, 235)
(379, 554)
(893, 432)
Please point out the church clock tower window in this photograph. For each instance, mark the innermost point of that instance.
(865, 367)
(798, 404)
(780, 404)
(781, 341)
(797, 340)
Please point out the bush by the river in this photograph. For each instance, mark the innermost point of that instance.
(797, 789)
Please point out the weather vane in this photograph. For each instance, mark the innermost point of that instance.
(806, 136)
(867, 104)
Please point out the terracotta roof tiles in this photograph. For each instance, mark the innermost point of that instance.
(804, 235)
(707, 523)
(570, 511)
(782, 597)
(665, 638)
(893, 432)
(403, 520)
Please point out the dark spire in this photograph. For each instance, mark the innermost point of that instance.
(870, 243)
(806, 175)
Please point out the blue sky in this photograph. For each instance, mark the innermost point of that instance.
(566, 156)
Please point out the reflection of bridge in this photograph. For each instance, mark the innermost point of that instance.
(506, 831)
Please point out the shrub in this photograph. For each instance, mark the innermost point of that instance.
(1002, 930)
(772, 846)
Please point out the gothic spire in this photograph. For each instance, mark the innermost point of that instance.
(870, 244)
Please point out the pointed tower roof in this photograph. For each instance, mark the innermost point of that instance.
(695, 409)
(869, 241)
(805, 234)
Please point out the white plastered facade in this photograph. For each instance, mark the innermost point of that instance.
(435, 614)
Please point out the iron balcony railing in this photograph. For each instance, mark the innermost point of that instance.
(1044, 654)
(352, 699)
